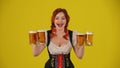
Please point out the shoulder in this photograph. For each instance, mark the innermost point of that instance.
(70, 30)
(73, 31)
(49, 30)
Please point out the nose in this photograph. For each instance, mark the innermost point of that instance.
(60, 20)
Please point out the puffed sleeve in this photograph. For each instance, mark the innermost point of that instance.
(45, 37)
(74, 37)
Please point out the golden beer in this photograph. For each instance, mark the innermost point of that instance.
(89, 38)
(41, 36)
(32, 37)
(80, 39)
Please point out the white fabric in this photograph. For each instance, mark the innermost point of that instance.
(64, 49)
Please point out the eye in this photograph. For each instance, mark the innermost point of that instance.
(63, 18)
(56, 18)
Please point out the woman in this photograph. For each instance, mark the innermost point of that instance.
(59, 45)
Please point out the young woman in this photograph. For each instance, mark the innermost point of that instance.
(60, 45)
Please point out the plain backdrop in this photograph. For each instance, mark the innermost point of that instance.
(17, 17)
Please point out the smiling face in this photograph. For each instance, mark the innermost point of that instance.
(60, 20)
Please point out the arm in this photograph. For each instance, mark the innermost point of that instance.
(79, 51)
(78, 48)
(37, 49)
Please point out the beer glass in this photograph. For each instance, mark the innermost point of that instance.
(89, 38)
(80, 39)
(32, 37)
(41, 36)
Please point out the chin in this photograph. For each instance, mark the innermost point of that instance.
(60, 28)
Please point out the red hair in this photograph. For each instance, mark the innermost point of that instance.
(53, 25)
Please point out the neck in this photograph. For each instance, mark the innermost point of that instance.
(60, 32)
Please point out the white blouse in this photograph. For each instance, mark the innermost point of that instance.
(64, 49)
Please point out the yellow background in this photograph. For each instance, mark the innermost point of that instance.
(17, 17)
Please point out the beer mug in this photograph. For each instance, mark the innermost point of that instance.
(89, 38)
(80, 39)
(41, 36)
(32, 37)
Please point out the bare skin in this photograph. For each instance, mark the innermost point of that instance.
(60, 22)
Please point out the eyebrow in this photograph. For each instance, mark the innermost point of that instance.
(58, 16)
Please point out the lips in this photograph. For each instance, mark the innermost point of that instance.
(60, 25)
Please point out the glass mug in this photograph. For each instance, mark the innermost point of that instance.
(32, 37)
(80, 39)
(89, 38)
(41, 36)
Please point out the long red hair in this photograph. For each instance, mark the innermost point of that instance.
(56, 11)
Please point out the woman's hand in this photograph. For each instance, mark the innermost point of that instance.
(38, 48)
(79, 50)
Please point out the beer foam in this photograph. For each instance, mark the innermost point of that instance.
(40, 30)
(80, 34)
(32, 31)
(89, 33)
